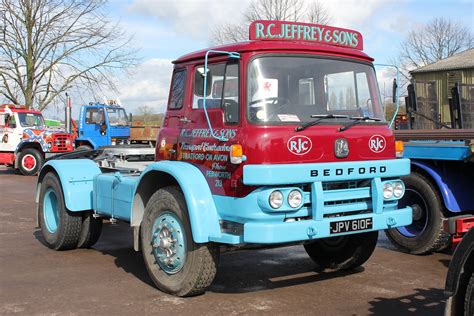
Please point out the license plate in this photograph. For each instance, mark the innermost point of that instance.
(350, 225)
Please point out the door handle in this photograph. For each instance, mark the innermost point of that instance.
(184, 119)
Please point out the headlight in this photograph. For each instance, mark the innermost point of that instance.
(295, 198)
(68, 142)
(276, 199)
(387, 191)
(50, 145)
(398, 189)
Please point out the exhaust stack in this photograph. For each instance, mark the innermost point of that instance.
(67, 116)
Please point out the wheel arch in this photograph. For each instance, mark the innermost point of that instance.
(26, 145)
(84, 141)
(435, 177)
(76, 177)
(202, 211)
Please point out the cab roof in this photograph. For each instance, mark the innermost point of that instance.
(17, 109)
(288, 46)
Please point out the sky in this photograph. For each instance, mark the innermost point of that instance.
(163, 30)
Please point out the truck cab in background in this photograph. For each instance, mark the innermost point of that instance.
(25, 141)
(101, 125)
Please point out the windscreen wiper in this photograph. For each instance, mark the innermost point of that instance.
(357, 120)
(320, 117)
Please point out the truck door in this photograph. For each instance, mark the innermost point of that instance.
(222, 104)
(95, 127)
(10, 132)
(167, 145)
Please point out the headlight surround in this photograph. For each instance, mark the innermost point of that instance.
(295, 198)
(387, 190)
(398, 189)
(276, 199)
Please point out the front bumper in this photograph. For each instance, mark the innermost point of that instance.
(332, 192)
(268, 233)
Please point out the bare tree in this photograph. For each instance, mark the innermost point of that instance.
(439, 39)
(49, 46)
(288, 10)
(318, 13)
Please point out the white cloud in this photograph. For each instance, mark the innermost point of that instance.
(148, 85)
(191, 17)
(353, 13)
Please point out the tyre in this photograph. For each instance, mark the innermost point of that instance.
(30, 161)
(469, 299)
(83, 147)
(60, 228)
(426, 233)
(342, 253)
(175, 263)
(90, 231)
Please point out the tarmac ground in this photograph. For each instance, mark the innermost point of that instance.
(111, 278)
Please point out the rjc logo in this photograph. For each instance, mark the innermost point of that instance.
(377, 143)
(299, 145)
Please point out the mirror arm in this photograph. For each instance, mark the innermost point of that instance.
(231, 55)
(397, 94)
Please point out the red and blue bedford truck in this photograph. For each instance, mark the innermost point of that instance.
(273, 141)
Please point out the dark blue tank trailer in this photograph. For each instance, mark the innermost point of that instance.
(440, 186)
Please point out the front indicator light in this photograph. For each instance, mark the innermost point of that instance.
(236, 154)
(399, 148)
(295, 198)
(387, 191)
(398, 189)
(276, 199)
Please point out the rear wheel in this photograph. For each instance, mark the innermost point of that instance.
(426, 233)
(176, 264)
(91, 229)
(344, 252)
(30, 161)
(60, 228)
(469, 300)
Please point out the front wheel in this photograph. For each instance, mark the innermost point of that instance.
(342, 253)
(176, 264)
(426, 233)
(30, 161)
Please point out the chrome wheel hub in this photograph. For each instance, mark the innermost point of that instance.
(168, 243)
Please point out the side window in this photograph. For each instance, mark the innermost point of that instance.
(94, 116)
(222, 89)
(214, 86)
(177, 90)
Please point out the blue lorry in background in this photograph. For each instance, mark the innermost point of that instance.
(101, 125)
(440, 186)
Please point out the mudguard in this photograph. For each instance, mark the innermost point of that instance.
(456, 195)
(202, 210)
(77, 181)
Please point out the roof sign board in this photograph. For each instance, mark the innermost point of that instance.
(305, 32)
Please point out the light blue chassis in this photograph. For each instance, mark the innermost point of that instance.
(115, 195)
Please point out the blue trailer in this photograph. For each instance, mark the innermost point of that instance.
(102, 125)
(439, 188)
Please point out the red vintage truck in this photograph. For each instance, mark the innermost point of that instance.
(25, 141)
(274, 141)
